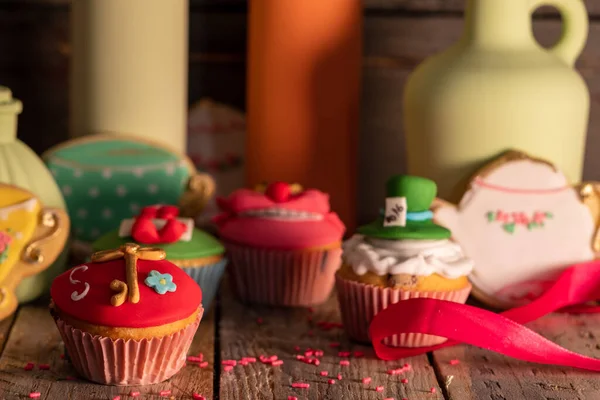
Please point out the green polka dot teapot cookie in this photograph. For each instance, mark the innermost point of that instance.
(106, 178)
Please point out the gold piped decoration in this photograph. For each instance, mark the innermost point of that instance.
(131, 252)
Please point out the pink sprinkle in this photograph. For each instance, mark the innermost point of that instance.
(134, 394)
(300, 385)
(309, 353)
(319, 353)
(197, 396)
(359, 354)
(194, 359)
(366, 380)
(300, 357)
(324, 373)
(227, 368)
(334, 344)
(244, 363)
(272, 358)
(292, 398)
(296, 348)
(315, 361)
(393, 371)
(201, 356)
(407, 367)
(454, 362)
(203, 364)
(339, 377)
(164, 393)
(344, 354)
(389, 398)
(345, 363)
(432, 390)
(233, 363)
(404, 380)
(29, 366)
(44, 366)
(379, 389)
(259, 320)
(277, 363)
(116, 398)
(249, 359)
(331, 382)
(34, 395)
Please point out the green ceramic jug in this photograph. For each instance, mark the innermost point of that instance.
(20, 166)
(497, 88)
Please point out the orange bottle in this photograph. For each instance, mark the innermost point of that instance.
(304, 65)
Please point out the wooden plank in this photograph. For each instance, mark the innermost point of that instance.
(431, 6)
(34, 68)
(449, 6)
(394, 47)
(34, 338)
(485, 375)
(5, 327)
(241, 335)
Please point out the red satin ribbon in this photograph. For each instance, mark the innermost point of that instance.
(502, 333)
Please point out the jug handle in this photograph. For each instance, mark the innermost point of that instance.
(574, 31)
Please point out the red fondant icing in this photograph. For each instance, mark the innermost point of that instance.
(278, 233)
(279, 192)
(153, 309)
(144, 231)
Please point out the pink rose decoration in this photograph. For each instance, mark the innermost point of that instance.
(5, 240)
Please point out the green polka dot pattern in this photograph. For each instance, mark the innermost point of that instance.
(106, 181)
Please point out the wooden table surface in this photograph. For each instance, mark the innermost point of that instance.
(231, 331)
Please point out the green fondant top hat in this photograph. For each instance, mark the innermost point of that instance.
(406, 214)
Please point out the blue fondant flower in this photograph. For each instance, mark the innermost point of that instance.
(161, 283)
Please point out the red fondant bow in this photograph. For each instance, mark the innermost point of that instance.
(502, 333)
(144, 231)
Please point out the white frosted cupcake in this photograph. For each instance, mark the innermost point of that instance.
(400, 256)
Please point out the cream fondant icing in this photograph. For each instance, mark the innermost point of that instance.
(413, 257)
(522, 224)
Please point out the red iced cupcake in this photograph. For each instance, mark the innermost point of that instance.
(283, 243)
(128, 317)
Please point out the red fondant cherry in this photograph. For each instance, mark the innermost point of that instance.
(279, 192)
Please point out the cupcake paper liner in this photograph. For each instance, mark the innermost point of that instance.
(127, 362)
(208, 278)
(283, 278)
(360, 302)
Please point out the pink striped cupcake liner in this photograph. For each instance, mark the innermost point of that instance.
(127, 362)
(283, 278)
(359, 303)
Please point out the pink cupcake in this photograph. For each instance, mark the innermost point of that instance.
(128, 317)
(283, 243)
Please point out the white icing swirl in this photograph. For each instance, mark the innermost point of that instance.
(412, 257)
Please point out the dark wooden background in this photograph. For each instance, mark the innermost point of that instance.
(398, 35)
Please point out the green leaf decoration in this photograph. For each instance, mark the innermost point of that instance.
(549, 215)
(510, 228)
(491, 216)
(531, 225)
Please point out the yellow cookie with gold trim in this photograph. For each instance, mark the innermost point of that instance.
(31, 238)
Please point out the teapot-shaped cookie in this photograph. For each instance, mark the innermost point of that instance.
(522, 223)
(31, 238)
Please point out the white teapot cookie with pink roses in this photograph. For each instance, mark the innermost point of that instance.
(522, 223)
